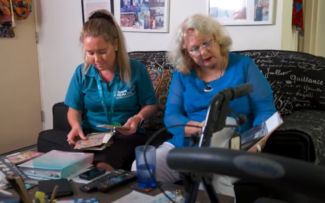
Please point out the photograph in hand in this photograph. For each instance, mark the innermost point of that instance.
(94, 141)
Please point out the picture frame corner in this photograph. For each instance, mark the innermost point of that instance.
(246, 12)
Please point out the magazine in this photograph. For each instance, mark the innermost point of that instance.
(95, 141)
(20, 157)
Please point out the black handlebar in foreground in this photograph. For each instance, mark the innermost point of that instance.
(218, 111)
(238, 91)
(296, 175)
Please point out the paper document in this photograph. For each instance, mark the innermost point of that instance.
(253, 135)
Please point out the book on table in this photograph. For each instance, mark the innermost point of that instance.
(20, 157)
(94, 141)
(57, 164)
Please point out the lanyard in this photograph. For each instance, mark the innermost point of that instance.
(101, 95)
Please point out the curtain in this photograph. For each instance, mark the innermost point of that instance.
(297, 15)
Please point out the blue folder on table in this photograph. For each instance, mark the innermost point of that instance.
(57, 164)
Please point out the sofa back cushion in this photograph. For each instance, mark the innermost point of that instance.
(296, 78)
(60, 120)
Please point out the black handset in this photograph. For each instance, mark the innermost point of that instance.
(109, 181)
(91, 174)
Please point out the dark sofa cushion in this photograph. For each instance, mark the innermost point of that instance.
(296, 78)
(60, 120)
(302, 136)
(53, 139)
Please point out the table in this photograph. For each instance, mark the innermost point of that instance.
(121, 191)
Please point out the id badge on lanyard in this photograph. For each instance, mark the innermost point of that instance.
(101, 95)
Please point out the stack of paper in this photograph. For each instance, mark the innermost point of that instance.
(57, 164)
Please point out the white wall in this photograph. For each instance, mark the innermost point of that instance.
(60, 51)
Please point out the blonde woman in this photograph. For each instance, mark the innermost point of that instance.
(108, 88)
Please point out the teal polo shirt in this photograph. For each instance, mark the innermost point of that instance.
(122, 100)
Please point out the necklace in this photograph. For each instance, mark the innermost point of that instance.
(208, 87)
(210, 77)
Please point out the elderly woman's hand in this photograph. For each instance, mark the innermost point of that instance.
(193, 128)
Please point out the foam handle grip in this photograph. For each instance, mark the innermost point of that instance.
(241, 90)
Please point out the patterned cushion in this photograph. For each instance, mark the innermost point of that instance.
(160, 72)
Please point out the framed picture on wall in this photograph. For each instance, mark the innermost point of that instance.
(242, 12)
(142, 15)
(89, 6)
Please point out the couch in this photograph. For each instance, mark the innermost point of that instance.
(297, 80)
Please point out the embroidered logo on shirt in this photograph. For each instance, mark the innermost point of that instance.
(125, 93)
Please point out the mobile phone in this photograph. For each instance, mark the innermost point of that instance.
(91, 174)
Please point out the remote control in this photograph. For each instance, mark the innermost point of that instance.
(109, 181)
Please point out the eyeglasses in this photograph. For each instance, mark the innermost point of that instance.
(195, 50)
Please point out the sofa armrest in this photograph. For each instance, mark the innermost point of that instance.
(301, 136)
(53, 139)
